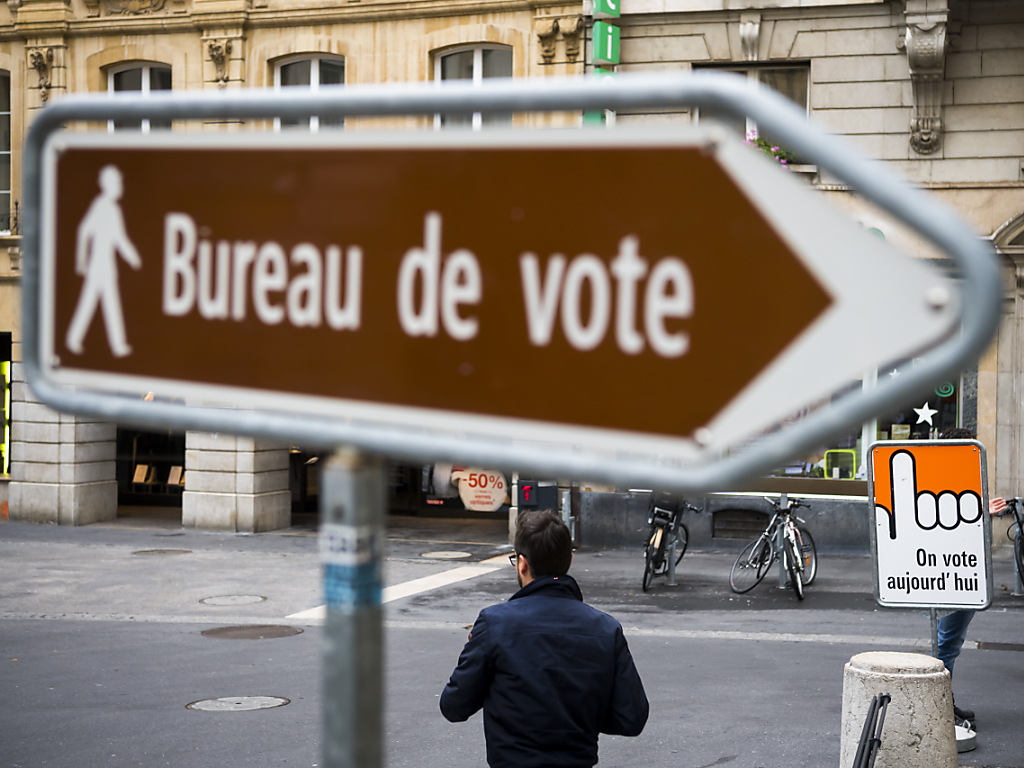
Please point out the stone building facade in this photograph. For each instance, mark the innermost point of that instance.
(62, 469)
(932, 88)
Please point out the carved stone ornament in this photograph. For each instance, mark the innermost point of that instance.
(750, 35)
(219, 53)
(572, 32)
(134, 7)
(547, 31)
(925, 44)
(41, 60)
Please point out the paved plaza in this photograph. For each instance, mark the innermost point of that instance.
(101, 648)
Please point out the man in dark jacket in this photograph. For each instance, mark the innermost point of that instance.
(549, 671)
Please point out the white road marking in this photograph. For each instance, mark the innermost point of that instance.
(679, 634)
(419, 586)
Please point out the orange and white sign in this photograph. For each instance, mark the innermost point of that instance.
(481, 490)
(931, 535)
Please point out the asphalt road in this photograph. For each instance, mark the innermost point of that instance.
(101, 650)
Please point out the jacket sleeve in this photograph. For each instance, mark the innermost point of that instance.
(627, 714)
(467, 688)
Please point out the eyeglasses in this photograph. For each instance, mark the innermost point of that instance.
(512, 558)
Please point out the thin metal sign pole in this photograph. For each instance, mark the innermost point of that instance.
(935, 632)
(673, 544)
(352, 505)
(780, 543)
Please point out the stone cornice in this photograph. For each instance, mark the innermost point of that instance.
(270, 17)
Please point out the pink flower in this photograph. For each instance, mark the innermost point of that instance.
(775, 149)
(782, 161)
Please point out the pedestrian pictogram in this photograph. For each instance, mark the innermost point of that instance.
(930, 532)
(101, 238)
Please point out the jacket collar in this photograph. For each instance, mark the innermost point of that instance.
(552, 586)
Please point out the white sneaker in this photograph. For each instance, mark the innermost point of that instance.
(966, 739)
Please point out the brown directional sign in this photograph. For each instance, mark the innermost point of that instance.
(626, 288)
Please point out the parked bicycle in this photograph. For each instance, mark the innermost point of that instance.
(1015, 532)
(664, 516)
(800, 556)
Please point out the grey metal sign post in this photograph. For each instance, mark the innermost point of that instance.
(353, 507)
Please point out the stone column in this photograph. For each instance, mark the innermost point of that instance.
(918, 730)
(235, 484)
(63, 468)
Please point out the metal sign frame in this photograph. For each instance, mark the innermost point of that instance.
(986, 524)
(981, 286)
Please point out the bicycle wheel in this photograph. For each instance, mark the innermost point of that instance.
(793, 568)
(681, 541)
(751, 565)
(810, 555)
(650, 556)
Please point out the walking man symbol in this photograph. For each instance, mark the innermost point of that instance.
(101, 236)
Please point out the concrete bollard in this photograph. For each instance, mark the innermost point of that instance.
(918, 730)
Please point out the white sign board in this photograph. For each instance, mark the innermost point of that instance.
(931, 536)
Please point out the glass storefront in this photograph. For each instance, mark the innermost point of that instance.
(5, 402)
(150, 468)
(950, 404)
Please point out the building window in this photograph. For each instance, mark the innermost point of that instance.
(5, 152)
(313, 72)
(790, 81)
(141, 78)
(473, 63)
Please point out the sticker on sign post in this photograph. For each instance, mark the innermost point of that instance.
(931, 536)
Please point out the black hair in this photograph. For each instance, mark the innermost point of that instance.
(543, 539)
(958, 433)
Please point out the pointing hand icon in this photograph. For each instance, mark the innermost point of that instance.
(914, 512)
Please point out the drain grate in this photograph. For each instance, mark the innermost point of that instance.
(232, 600)
(252, 632)
(238, 703)
(986, 646)
(162, 552)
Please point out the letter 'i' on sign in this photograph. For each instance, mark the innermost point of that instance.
(607, 9)
(606, 43)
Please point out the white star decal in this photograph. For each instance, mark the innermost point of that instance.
(925, 414)
(893, 373)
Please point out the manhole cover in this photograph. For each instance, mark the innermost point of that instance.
(162, 552)
(252, 632)
(446, 555)
(232, 600)
(238, 703)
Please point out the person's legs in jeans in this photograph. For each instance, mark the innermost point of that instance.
(952, 633)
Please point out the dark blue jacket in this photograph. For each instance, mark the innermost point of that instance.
(550, 673)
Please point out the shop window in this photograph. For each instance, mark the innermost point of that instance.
(5, 402)
(5, 152)
(140, 78)
(314, 73)
(150, 468)
(790, 81)
(473, 63)
(949, 404)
